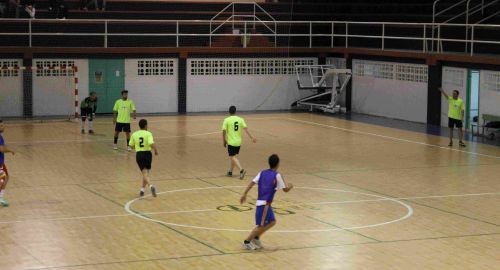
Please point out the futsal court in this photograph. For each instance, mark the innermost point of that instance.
(365, 197)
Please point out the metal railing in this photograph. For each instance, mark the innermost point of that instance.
(471, 11)
(489, 17)
(466, 11)
(256, 8)
(195, 33)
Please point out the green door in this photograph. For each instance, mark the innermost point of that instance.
(107, 79)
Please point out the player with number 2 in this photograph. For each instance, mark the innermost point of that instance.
(142, 141)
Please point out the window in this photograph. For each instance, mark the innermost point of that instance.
(247, 66)
(155, 67)
(454, 77)
(5, 64)
(337, 62)
(54, 68)
(492, 81)
(391, 71)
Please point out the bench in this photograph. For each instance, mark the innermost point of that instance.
(486, 119)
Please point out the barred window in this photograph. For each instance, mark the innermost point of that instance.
(247, 66)
(337, 62)
(454, 77)
(155, 67)
(492, 81)
(411, 73)
(6, 64)
(391, 71)
(54, 68)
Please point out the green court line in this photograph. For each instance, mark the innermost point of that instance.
(412, 201)
(161, 224)
(351, 231)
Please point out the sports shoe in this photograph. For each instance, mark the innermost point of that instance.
(141, 193)
(256, 243)
(461, 144)
(229, 174)
(4, 202)
(115, 147)
(242, 174)
(83, 131)
(91, 131)
(248, 246)
(129, 149)
(153, 191)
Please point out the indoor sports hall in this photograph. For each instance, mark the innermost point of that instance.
(287, 134)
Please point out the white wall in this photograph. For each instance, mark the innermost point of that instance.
(11, 90)
(153, 93)
(489, 93)
(394, 90)
(54, 95)
(452, 79)
(271, 91)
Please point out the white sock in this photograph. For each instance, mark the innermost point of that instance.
(1, 194)
(142, 189)
(91, 125)
(82, 124)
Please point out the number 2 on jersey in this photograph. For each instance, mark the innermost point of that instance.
(141, 142)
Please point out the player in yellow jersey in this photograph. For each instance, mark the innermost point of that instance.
(122, 110)
(142, 141)
(456, 112)
(231, 137)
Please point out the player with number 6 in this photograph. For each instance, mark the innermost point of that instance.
(231, 137)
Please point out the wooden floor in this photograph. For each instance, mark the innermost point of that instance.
(367, 197)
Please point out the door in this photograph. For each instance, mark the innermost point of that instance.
(107, 79)
(473, 96)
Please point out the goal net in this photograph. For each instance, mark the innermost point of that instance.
(41, 91)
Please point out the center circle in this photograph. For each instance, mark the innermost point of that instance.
(409, 211)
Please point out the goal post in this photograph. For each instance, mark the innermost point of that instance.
(72, 82)
(327, 84)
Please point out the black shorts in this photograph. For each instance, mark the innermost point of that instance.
(144, 159)
(122, 127)
(87, 113)
(452, 122)
(233, 150)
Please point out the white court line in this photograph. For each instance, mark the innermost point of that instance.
(391, 138)
(104, 140)
(60, 122)
(102, 216)
(401, 198)
(409, 213)
(209, 210)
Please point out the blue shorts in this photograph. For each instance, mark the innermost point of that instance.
(260, 219)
